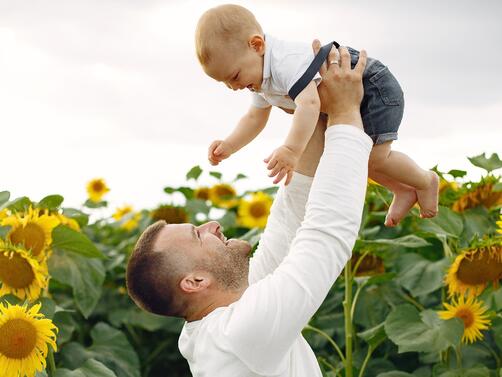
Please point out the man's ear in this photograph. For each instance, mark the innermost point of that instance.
(257, 43)
(195, 282)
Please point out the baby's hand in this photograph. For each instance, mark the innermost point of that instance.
(218, 151)
(281, 163)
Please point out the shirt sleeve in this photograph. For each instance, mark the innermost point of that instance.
(271, 313)
(259, 101)
(285, 218)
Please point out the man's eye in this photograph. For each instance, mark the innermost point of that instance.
(236, 76)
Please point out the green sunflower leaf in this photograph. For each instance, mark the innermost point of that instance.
(4, 197)
(84, 275)
(410, 241)
(194, 173)
(50, 202)
(19, 204)
(489, 164)
(420, 276)
(414, 331)
(446, 223)
(457, 173)
(65, 238)
(90, 368)
(240, 176)
(110, 347)
(215, 174)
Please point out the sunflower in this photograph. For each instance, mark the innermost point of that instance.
(32, 229)
(370, 265)
(24, 336)
(20, 274)
(120, 212)
(499, 223)
(201, 193)
(472, 313)
(170, 214)
(131, 222)
(479, 194)
(223, 195)
(3, 214)
(96, 189)
(447, 185)
(475, 268)
(254, 213)
(66, 221)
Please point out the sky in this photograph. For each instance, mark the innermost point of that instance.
(112, 89)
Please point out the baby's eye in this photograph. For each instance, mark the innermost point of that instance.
(236, 76)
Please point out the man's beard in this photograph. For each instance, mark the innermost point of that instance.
(231, 268)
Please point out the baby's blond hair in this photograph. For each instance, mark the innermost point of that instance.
(229, 25)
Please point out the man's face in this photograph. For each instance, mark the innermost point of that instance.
(208, 249)
(238, 69)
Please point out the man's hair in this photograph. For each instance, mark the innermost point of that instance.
(229, 25)
(152, 276)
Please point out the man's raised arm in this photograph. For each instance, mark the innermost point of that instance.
(272, 312)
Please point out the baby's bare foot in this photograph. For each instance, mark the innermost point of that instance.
(400, 206)
(428, 197)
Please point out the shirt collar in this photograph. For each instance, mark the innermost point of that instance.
(269, 41)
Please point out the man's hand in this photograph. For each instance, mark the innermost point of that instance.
(281, 163)
(218, 151)
(341, 90)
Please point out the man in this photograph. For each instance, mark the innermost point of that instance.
(244, 318)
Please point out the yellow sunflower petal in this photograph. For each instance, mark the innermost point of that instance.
(24, 336)
(20, 273)
(96, 189)
(253, 213)
(223, 195)
(472, 313)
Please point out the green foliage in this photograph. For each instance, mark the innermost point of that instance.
(84, 275)
(89, 368)
(109, 346)
(395, 329)
(50, 202)
(489, 164)
(415, 331)
(68, 239)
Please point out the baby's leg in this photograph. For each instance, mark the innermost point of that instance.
(401, 168)
(404, 197)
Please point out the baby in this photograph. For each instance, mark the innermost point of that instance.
(232, 48)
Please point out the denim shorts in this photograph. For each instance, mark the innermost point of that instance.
(383, 101)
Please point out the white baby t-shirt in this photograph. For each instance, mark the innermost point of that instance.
(284, 63)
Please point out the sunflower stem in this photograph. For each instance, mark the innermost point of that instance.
(458, 353)
(366, 360)
(329, 339)
(52, 363)
(347, 306)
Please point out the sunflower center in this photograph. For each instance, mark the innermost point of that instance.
(17, 338)
(224, 192)
(479, 270)
(16, 272)
(258, 209)
(31, 236)
(465, 315)
(98, 186)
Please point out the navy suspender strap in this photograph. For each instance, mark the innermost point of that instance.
(311, 71)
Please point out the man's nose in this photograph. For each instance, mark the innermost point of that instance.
(211, 226)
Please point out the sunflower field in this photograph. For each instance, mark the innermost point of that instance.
(420, 299)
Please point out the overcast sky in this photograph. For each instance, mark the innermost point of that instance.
(112, 88)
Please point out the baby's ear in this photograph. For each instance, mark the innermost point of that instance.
(257, 43)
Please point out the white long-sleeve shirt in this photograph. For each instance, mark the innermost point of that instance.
(290, 275)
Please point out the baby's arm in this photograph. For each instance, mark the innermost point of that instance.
(284, 159)
(246, 130)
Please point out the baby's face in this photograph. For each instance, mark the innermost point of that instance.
(238, 69)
